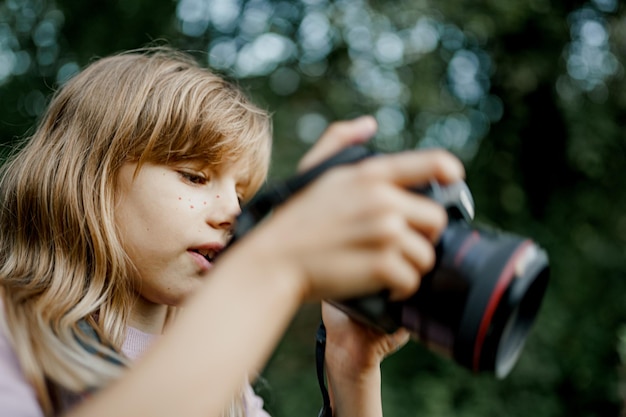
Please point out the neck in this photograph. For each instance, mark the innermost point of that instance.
(148, 317)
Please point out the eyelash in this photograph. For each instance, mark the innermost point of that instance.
(201, 180)
(193, 178)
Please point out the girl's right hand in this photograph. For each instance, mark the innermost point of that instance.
(357, 229)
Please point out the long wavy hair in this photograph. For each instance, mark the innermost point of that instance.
(61, 259)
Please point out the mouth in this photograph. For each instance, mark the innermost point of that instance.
(208, 254)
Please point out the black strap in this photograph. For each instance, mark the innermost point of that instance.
(320, 350)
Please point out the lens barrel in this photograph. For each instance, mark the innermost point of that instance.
(478, 303)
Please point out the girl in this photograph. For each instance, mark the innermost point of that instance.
(114, 210)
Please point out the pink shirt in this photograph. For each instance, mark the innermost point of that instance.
(17, 397)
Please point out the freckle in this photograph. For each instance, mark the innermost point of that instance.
(180, 198)
(205, 203)
(190, 206)
(217, 196)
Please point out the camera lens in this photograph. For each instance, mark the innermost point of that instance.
(477, 305)
(523, 301)
(480, 301)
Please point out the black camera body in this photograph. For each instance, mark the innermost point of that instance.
(480, 300)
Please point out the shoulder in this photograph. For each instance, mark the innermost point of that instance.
(17, 397)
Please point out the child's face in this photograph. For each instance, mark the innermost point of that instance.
(173, 220)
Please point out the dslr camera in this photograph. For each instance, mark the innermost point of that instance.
(478, 303)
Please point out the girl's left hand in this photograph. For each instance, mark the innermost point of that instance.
(353, 356)
(354, 347)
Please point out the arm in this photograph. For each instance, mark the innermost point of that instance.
(225, 332)
(353, 351)
(353, 357)
(230, 327)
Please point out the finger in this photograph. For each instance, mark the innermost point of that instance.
(414, 168)
(338, 136)
(367, 271)
(398, 273)
(426, 216)
(396, 341)
(419, 251)
(404, 279)
(420, 212)
(399, 247)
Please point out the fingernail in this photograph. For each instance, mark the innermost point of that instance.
(368, 121)
(367, 126)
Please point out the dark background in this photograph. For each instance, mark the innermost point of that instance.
(529, 93)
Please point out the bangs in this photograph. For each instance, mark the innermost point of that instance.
(194, 115)
(245, 140)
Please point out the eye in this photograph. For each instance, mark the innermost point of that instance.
(193, 178)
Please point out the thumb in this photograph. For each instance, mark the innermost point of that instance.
(338, 136)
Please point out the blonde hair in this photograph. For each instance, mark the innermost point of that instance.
(61, 261)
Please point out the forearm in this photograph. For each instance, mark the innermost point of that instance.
(227, 331)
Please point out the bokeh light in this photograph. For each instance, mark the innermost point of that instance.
(589, 60)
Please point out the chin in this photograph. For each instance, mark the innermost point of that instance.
(178, 298)
(173, 292)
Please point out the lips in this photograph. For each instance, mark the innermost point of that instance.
(205, 255)
(209, 254)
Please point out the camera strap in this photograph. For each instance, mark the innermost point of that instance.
(320, 351)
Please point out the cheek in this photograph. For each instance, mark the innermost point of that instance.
(193, 202)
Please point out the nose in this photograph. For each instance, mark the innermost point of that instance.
(223, 208)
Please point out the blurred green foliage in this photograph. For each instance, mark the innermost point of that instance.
(529, 93)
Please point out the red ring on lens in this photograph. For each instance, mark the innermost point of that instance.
(501, 285)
